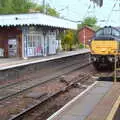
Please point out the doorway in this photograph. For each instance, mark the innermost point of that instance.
(12, 47)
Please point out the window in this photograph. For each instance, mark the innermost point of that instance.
(100, 32)
(107, 31)
(29, 41)
(115, 32)
(33, 44)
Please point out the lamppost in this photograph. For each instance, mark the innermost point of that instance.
(84, 37)
(44, 7)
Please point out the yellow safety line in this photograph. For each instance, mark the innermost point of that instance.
(114, 109)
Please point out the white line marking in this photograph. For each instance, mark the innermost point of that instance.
(114, 109)
(72, 101)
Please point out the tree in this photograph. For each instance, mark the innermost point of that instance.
(15, 6)
(24, 6)
(48, 10)
(98, 2)
(51, 11)
(89, 21)
(68, 40)
(5, 6)
(21, 6)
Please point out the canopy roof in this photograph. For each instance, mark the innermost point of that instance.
(35, 19)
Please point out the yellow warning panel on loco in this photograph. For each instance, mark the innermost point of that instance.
(104, 47)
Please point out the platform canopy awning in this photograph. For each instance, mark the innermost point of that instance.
(35, 19)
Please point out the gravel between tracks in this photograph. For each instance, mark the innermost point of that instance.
(16, 104)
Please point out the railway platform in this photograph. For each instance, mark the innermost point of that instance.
(8, 63)
(95, 103)
(14, 70)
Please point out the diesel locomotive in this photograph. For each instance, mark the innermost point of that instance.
(104, 45)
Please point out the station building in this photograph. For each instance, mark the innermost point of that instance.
(30, 35)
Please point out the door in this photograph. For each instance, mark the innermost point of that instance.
(52, 44)
(12, 47)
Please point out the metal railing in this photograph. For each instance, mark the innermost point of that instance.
(116, 65)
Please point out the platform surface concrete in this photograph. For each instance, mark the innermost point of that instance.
(83, 107)
(6, 63)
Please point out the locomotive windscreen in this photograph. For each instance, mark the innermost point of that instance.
(107, 33)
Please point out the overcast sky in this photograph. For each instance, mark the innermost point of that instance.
(76, 10)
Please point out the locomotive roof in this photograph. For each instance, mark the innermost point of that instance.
(107, 36)
(118, 28)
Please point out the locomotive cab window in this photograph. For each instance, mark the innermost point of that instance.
(100, 32)
(115, 32)
(107, 31)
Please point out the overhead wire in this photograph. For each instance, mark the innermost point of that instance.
(76, 12)
(89, 10)
(51, 4)
(65, 8)
(109, 15)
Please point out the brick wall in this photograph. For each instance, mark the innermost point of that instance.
(7, 33)
(87, 32)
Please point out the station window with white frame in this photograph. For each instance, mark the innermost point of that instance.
(33, 45)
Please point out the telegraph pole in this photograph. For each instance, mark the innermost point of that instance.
(44, 8)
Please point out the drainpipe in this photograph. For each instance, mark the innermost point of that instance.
(44, 35)
(23, 47)
(84, 36)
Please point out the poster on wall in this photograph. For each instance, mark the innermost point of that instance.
(30, 52)
(12, 47)
(1, 52)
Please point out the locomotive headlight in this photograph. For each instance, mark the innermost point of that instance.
(111, 59)
(94, 58)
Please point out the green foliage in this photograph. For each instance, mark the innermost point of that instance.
(75, 37)
(4, 6)
(21, 6)
(14, 6)
(24, 6)
(90, 22)
(96, 27)
(68, 40)
(81, 45)
(51, 11)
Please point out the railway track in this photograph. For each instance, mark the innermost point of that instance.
(12, 75)
(72, 83)
(51, 67)
(76, 82)
(19, 87)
